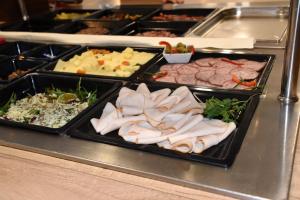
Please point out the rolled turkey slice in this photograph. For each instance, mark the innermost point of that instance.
(159, 95)
(183, 146)
(201, 129)
(143, 89)
(110, 113)
(204, 142)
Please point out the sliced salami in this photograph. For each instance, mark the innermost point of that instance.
(170, 79)
(219, 80)
(186, 79)
(204, 83)
(204, 75)
(166, 67)
(254, 65)
(187, 69)
(205, 62)
(244, 73)
(232, 84)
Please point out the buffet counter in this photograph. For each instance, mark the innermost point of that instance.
(66, 166)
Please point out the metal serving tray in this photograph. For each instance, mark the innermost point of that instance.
(32, 84)
(146, 76)
(178, 28)
(222, 154)
(264, 24)
(49, 68)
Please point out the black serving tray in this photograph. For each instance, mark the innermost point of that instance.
(49, 68)
(50, 16)
(221, 155)
(144, 11)
(36, 83)
(146, 76)
(17, 48)
(9, 66)
(76, 26)
(178, 28)
(50, 52)
(33, 25)
(189, 12)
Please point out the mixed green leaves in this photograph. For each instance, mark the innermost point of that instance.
(6, 106)
(227, 109)
(80, 92)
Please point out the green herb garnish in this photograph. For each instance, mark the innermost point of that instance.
(6, 106)
(227, 109)
(85, 95)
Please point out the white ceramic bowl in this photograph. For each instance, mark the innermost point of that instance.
(177, 57)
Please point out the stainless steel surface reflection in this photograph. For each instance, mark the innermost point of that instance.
(262, 168)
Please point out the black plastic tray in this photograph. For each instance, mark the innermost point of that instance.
(189, 12)
(50, 16)
(49, 68)
(33, 25)
(11, 65)
(17, 48)
(261, 80)
(222, 154)
(50, 52)
(144, 11)
(36, 83)
(76, 26)
(178, 28)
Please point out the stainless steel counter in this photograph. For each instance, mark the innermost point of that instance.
(262, 168)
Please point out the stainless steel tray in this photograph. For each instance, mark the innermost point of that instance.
(265, 24)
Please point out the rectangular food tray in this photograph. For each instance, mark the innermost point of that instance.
(205, 12)
(9, 66)
(144, 11)
(50, 52)
(263, 24)
(33, 25)
(50, 16)
(146, 76)
(222, 154)
(36, 83)
(76, 26)
(17, 48)
(49, 68)
(177, 28)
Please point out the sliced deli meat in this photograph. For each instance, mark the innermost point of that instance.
(170, 120)
(244, 73)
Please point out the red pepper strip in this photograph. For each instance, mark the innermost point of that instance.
(231, 61)
(126, 63)
(191, 49)
(159, 75)
(167, 44)
(244, 83)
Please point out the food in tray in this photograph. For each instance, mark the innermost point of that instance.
(176, 17)
(180, 53)
(157, 34)
(71, 15)
(121, 16)
(106, 63)
(172, 120)
(15, 74)
(94, 28)
(213, 72)
(53, 108)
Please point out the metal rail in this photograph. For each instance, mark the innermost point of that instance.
(292, 56)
